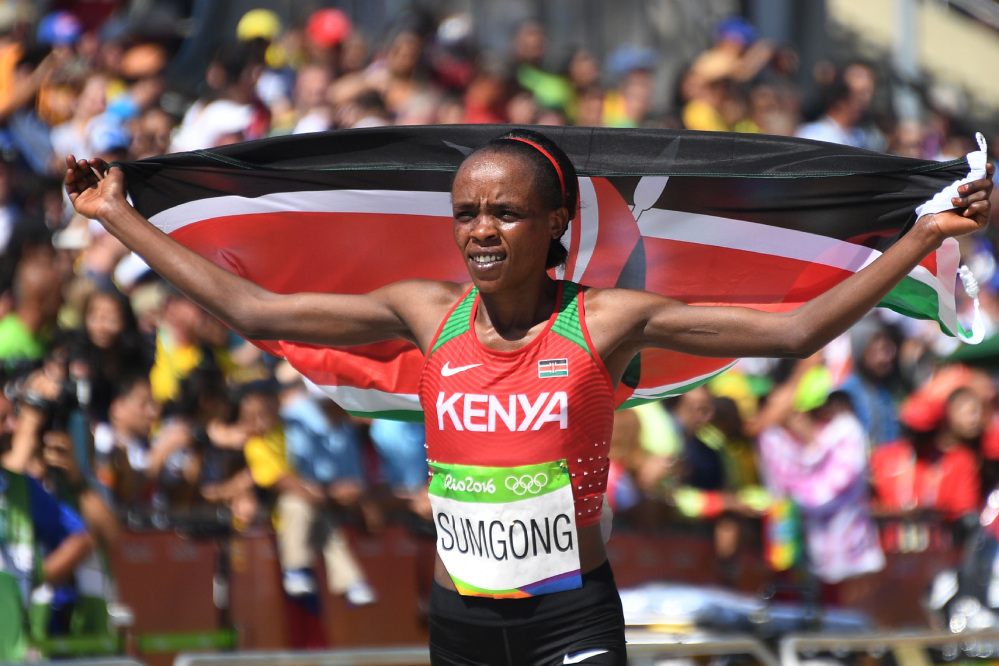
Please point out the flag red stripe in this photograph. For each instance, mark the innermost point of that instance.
(698, 273)
(328, 252)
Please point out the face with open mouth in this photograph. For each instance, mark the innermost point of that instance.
(501, 224)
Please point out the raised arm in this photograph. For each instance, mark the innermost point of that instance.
(624, 322)
(250, 310)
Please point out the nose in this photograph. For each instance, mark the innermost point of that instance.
(483, 227)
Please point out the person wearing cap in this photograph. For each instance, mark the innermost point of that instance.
(935, 463)
(260, 28)
(629, 104)
(815, 454)
(325, 32)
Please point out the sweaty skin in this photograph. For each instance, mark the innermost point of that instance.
(503, 228)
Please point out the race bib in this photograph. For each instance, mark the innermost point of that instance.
(506, 532)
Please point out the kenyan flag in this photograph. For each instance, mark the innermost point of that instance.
(707, 218)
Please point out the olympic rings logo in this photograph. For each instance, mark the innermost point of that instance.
(521, 485)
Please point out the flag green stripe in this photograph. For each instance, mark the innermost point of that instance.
(411, 415)
(916, 299)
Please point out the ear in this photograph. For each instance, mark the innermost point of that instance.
(559, 222)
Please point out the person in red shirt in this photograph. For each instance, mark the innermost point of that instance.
(936, 470)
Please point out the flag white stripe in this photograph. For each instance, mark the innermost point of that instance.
(753, 237)
(714, 231)
(370, 400)
(589, 227)
(386, 202)
(657, 392)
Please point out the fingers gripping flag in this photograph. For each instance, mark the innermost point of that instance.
(706, 218)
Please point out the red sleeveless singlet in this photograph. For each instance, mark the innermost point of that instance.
(549, 401)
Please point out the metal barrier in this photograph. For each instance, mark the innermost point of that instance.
(411, 655)
(642, 643)
(971, 643)
(650, 644)
(110, 661)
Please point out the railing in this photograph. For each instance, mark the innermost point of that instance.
(386, 656)
(642, 644)
(109, 661)
(974, 644)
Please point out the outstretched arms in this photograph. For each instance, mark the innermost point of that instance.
(254, 312)
(639, 320)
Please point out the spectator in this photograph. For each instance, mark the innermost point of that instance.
(872, 386)
(582, 71)
(325, 33)
(403, 462)
(122, 446)
(49, 443)
(630, 103)
(310, 111)
(72, 137)
(816, 455)
(181, 345)
(110, 345)
(839, 122)
(937, 467)
(43, 547)
(323, 448)
(550, 91)
(862, 83)
(701, 465)
(295, 502)
(25, 331)
(232, 112)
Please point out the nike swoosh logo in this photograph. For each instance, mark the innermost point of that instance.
(447, 370)
(581, 656)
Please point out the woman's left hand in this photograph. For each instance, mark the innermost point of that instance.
(971, 210)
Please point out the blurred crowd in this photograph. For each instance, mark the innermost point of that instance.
(127, 405)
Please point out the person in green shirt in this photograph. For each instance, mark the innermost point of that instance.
(37, 298)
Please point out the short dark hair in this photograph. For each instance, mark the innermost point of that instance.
(127, 382)
(545, 176)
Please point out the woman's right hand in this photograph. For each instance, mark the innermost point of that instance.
(92, 187)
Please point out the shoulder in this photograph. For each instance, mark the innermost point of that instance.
(604, 300)
(425, 292)
(626, 310)
(423, 304)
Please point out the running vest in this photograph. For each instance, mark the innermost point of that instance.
(551, 400)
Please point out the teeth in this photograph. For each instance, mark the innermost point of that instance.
(486, 258)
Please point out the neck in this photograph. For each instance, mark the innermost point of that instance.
(31, 318)
(513, 313)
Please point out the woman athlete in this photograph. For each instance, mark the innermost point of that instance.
(518, 384)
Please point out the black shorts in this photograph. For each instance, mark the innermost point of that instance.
(558, 628)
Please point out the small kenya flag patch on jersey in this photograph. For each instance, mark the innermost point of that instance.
(553, 367)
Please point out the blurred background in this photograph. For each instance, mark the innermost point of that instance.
(167, 487)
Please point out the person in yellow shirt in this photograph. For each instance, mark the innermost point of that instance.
(181, 346)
